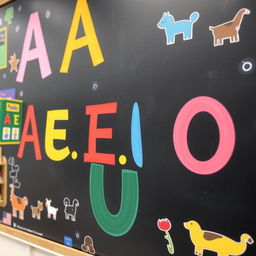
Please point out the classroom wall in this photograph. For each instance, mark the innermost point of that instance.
(11, 247)
(141, 132)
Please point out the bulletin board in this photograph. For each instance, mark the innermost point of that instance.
(138, 128)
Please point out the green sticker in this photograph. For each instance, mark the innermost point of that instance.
(9, 15)
(3, 48)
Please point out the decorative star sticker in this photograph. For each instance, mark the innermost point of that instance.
(14, 63)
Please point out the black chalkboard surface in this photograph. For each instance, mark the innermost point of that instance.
(139, 128)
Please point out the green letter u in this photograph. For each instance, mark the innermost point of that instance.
(120, 223)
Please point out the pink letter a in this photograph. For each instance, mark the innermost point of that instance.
(40, 53)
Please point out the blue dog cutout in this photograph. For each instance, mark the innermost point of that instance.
(173, 28)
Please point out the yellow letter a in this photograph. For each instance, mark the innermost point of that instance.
(82, 12)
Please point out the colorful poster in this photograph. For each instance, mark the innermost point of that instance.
(8, 93)
(10, 121)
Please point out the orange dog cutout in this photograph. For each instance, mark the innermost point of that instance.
(229, 30)
(222, 245)
(18, 204)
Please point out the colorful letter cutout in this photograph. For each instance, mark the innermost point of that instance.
(52, 134)
(136, 140)
(30, 119)
(226, 137)
(120, 223)
(99, 133)
(90, 39)
(40, 52)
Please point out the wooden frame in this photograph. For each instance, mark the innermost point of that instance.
(42, 242)
(3, 2)
(3, 182)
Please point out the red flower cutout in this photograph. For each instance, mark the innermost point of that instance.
(164, 224)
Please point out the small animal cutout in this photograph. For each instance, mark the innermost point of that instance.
(18, 204)
(88, 246)
(229, 30)
(52, 211)
(70, 209)
(211, 241)
(14, 63)
(36, 211)
(13, 174)
(173, 28)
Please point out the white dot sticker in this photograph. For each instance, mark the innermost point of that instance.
(48, 14)
(247, 66)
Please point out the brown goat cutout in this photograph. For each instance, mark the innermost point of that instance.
(229, 30)
(36, 211)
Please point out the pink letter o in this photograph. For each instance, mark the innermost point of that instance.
(226, 135)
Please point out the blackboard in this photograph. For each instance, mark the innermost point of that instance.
(138, 124)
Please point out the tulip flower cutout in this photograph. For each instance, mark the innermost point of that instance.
(165, 225)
